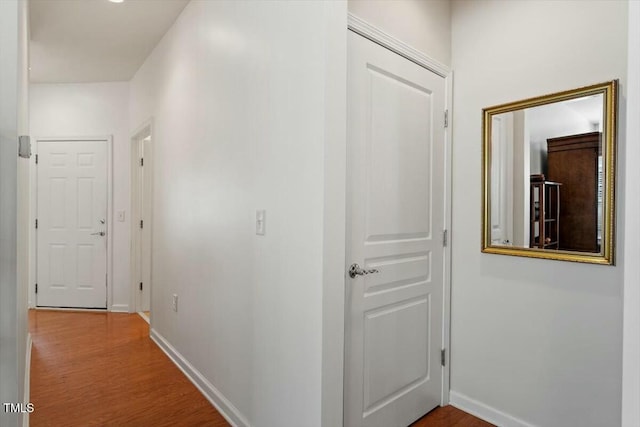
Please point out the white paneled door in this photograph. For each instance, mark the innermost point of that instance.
(72, 224)
(396, 189)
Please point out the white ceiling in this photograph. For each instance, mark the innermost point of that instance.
(74, 41)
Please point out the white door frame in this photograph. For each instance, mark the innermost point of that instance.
(144, 130)
(34, 211)
(365, 29)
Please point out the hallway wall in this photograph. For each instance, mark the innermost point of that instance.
(14, 31)
(92, 109)
(242, 101)
(534, 342)
(423, 25)
(631, 350)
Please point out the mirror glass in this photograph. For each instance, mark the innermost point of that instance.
(549, 176)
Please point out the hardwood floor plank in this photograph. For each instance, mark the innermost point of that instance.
(102, 369)
(448, 416)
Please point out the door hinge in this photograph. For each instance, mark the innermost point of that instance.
(140, 285)
(445, 237)
(141, 161)
(36, 288)
(141, 224)
(36, 159)
(36, 223)
(443, 357)
(446, 118)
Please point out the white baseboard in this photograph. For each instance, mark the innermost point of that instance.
(213, 395)
(72, 310)
(27, 379)
(485, 412)
(119, 308)
(145, 317)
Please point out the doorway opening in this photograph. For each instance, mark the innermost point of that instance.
(141, 217)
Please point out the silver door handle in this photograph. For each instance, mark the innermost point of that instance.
(99, 233)
(355, 270)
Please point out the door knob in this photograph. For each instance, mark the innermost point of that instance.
(99, 233)
(355, 270)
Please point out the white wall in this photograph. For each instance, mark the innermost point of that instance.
(13, 122)
(9, 381)
(521, 183)
(539, 341)
(424, 25)
(631, 352)
(242, 101)
(23, 226)
(551, 121)
(556, 120)
(93, 109)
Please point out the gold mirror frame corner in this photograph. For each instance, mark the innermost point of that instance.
(609, 89)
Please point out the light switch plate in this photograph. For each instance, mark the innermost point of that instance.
(121, 216)
(24, 146)
(261, 217)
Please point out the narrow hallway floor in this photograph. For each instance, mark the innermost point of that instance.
(102, 369)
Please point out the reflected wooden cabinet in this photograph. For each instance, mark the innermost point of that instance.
(544, 227)
(573, 161)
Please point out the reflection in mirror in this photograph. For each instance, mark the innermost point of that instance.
(547, 175)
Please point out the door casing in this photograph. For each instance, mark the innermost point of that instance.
(34, 211)
(365, 29)
(145, 130)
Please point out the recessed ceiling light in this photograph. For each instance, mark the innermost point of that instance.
(116, 1)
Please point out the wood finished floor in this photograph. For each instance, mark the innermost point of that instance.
(102, 369)
(448, 416)
(99, 369)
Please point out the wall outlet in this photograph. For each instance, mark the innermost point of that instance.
(174, 302)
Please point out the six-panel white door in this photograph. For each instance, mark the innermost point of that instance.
(72, 224)
(395, 209)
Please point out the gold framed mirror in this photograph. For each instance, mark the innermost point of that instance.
(549, 176)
